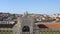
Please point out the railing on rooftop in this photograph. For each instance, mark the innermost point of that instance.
(7, 22)
(47, 29)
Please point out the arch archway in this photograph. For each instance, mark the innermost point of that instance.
(25, 29)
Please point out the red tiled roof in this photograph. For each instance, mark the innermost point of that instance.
(53, 25)
(49, 25)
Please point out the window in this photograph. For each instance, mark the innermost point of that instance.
(25, 29)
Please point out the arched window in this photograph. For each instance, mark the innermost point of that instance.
(25, 29)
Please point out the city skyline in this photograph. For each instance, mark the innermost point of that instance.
(32, 6)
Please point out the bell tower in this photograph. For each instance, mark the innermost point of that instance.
(27, 23)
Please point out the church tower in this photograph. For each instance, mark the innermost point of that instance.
(26, 24)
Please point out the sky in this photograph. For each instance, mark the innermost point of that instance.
(31, 6)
